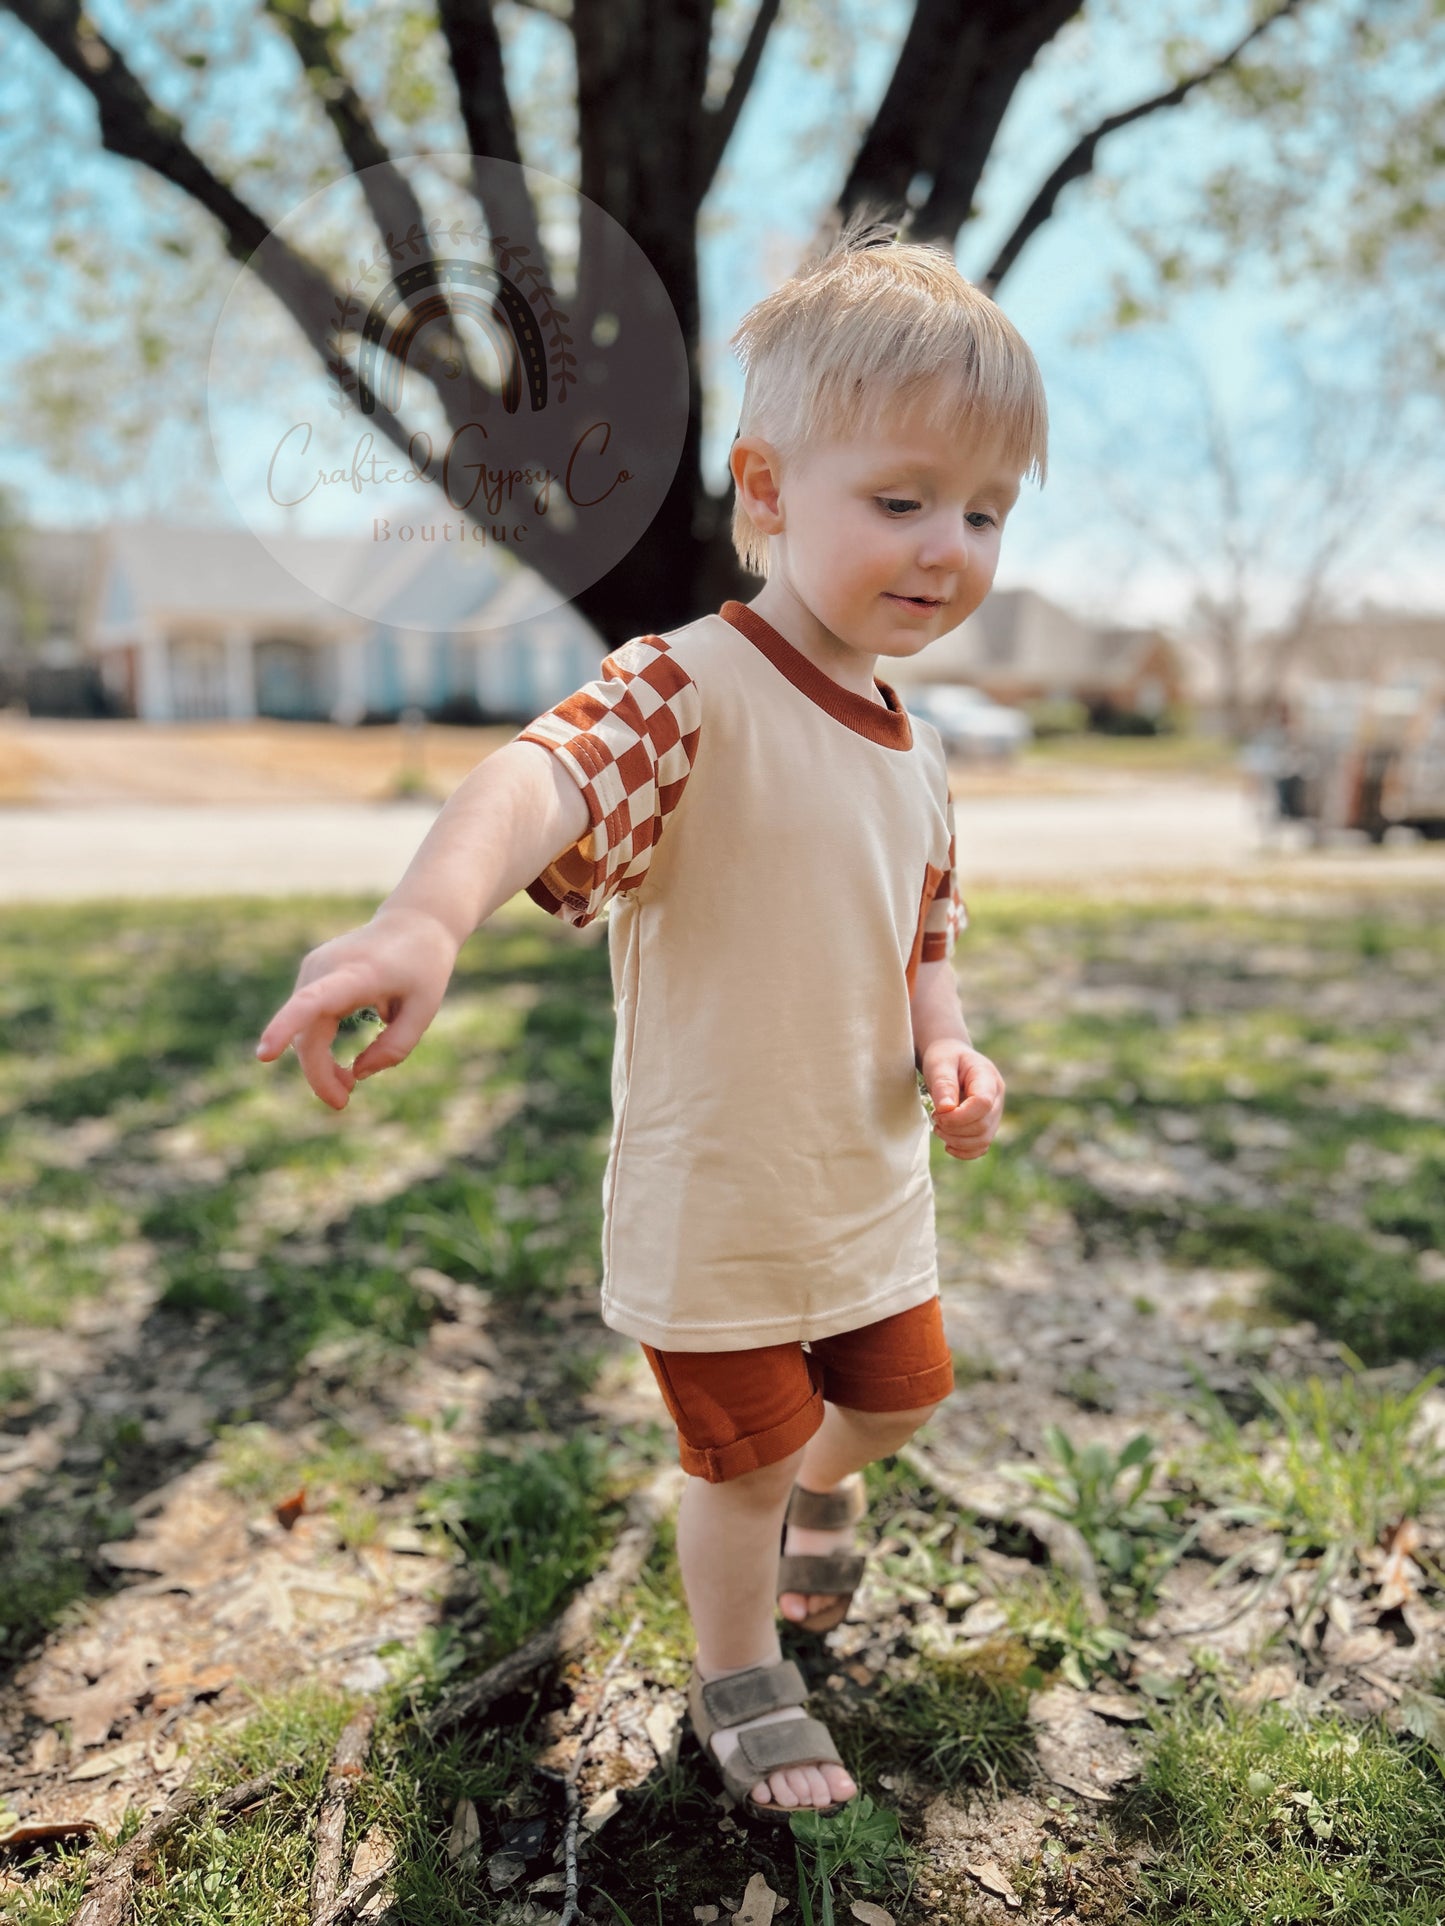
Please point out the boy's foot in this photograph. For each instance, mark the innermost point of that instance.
(791, 1786)
(810, 1542)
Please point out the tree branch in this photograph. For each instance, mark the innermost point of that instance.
(959, 65)
(475, 50)
(389, 196)
(719, 124)
(135, 128)
(1080, 160)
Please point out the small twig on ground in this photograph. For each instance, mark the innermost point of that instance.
(567, 1634)
(1063, 1541)
(348, 1762)
(107, 1901)
(569, 1909)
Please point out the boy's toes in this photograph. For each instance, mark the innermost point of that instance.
(814, 1785)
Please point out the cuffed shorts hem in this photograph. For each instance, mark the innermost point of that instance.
(903, 1393)
(718, 1463)
(725, 1404)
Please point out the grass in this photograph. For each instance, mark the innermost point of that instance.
(1267, 1816)
(1198, 1082)
(1328, 1471)
(531, 1529)
(136, 1128)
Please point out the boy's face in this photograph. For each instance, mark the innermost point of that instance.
(860, 529)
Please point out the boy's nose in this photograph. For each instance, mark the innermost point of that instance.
(945, 542)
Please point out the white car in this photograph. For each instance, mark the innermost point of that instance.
(968, 721)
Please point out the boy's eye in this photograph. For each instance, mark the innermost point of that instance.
(979, 516)
(891, 503)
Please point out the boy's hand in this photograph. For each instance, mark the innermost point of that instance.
(400, 963)
(967, 1094)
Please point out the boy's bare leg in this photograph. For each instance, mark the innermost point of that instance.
(727, 1550)
(845, 1442)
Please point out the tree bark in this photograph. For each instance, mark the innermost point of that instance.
(650, 149)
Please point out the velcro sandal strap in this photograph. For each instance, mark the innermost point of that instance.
(810, 1572)
(828, 1510)
(763, 1688)
(787, 1742)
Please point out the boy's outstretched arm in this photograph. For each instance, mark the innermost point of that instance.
(964, 1086)
(513, 815)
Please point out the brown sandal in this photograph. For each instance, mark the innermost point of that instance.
(761, 1748)
(839, 1572)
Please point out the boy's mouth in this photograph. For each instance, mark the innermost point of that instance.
(916, 601)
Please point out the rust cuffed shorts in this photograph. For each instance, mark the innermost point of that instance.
(736, 1411)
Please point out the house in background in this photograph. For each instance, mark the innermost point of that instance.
(186, 623)
(1377, 645)
(1019, 648)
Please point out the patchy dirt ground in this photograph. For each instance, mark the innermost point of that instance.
(216, 1597)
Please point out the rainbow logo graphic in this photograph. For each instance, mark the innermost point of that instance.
(405, 305)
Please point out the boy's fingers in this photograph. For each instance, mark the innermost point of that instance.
(321, 1070)
(333, 996)
(394, 1045)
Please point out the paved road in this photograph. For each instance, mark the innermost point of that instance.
(70, 853)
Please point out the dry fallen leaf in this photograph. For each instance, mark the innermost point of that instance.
(1399, 1575)
(992, 1880)
(1277, 1681)
(505, 1869)
(870, 1914)
(601, 1810)
(760, 1902)
(105, 1763)
(41, 1832)
(466, 1833)
(290, 1509)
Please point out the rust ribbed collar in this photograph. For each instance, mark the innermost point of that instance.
(889, 726)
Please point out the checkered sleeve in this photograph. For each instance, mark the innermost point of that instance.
(947, 914)
(628, 739)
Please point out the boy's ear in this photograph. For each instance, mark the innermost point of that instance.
(757, 471)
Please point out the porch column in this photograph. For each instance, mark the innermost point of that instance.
(240, 675)
(350, 658)
(153, 696)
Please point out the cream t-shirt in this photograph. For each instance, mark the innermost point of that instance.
(778, 856)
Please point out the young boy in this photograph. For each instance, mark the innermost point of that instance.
(774, 834)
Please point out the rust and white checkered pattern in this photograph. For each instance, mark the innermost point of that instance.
(947, 913)
(628, 738)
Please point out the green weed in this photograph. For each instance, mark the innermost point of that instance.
(1049, 1613)
(1103, 1494)
(862, 1844)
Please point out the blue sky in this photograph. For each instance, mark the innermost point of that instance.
(1117, 405)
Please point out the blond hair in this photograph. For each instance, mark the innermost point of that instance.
(866, 324)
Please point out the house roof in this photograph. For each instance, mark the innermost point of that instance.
(161, 572)
(157, 571)
(1378, 641)
(1019, 635)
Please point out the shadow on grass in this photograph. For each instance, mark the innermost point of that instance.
(155, 997)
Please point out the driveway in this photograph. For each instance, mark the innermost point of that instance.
(66, 853)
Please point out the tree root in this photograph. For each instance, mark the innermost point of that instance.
(1063, 1542)
(567, 1635)
(348, 1762)
(107, 1898)
(570, 1911)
